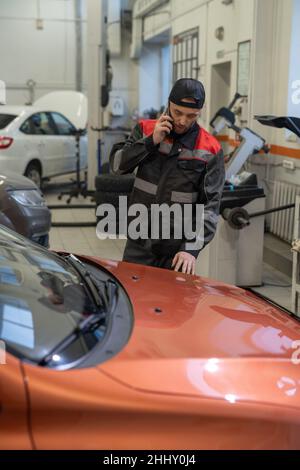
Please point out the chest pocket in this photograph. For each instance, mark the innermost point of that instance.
(193, 170)
(192, 165)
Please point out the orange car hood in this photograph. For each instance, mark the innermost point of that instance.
(180, 316)
(187, 327)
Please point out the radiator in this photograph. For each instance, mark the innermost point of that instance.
(282, 222)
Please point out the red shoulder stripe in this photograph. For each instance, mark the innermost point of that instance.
(206, 141)
(147, 126)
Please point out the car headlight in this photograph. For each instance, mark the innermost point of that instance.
(28, 197)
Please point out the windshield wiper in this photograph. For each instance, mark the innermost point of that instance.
(104, 293)
(88, 325)
(108, 291)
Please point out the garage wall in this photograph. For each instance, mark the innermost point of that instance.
(268, 24)
(125, 82)
(206, 15)
(195, 16)
(125, 71)
(149, 78)
(272, 26)
(271, 63)
(156, 22)
(45, 55)
(271, 91)
(237, 21)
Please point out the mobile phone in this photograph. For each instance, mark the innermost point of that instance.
(167, 112)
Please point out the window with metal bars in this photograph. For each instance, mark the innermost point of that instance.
(185, 55)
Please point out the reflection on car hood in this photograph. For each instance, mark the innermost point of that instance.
(190, 316)
(187, 326)
(10, 180)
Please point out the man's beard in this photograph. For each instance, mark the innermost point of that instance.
(175, 135)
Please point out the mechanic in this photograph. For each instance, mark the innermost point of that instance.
(177, 161)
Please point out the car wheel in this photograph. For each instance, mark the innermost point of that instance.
(33, 172)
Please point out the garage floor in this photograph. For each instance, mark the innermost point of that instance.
(276, 285)
(78, 240)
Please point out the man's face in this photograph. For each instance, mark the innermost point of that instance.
(183, 117)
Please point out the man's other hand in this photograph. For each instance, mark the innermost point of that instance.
(162, 128)
(184, 262)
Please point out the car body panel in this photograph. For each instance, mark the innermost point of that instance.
(52, 153)
(87, 409)
(30, 221)
(4, 220)
(204, 365)
(188, 302)
(211, 370)
(12, 181)
(218, 331)
(13, 407)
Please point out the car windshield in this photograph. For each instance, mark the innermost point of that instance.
(43, 298)
(6, 119)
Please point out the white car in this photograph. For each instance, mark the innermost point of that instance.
(38, 141)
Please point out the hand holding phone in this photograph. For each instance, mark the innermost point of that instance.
(163, 127)
(167, 113)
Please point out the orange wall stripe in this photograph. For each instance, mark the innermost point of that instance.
(222, 138)
(275, 149)
(285, 151)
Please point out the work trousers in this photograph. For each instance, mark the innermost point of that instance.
(142, 254)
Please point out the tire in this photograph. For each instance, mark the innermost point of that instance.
(109, 183)
(33, 172)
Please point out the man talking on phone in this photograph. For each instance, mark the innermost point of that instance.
(177, 161)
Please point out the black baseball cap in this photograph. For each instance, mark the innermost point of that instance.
(188, 88)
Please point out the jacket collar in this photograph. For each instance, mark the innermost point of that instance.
(188, 139)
